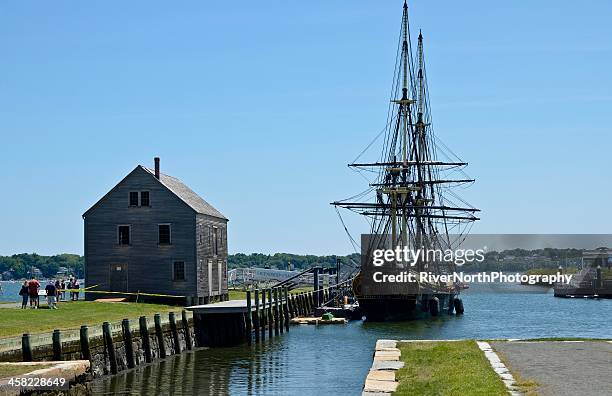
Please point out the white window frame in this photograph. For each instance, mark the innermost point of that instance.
(215, 241)
(210, 271)
(220, 274)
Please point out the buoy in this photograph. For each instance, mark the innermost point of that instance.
(434, 306)
(458, 306)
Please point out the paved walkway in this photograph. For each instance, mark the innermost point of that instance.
(561, 368)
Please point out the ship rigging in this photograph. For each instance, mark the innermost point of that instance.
(412, 198)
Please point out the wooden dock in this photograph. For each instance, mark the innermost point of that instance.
(231, 306)
(228, 323)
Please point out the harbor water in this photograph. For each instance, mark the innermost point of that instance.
(326, 360)
(9, 290)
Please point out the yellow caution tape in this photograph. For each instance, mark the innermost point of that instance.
(86, 290)
(133, 294)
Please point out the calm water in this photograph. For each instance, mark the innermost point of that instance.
(334, 360)
(10, 290)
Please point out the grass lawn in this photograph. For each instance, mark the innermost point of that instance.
(10, 370)
(447, 368)
(71, 315)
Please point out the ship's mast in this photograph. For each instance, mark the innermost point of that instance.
(404, 114)
(409, 175)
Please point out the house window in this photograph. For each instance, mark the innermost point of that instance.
(178, 271)
(164, 234)
(144, 198)
(133, 198)
(209, 235)
(215, 241)
(123, 235)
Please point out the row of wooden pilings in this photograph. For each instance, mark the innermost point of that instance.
(273, 308)
(85, 350)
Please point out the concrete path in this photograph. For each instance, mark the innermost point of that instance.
(561, 368)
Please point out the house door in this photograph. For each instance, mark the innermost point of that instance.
(119, 277)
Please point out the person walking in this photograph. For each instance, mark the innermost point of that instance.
(63, 289)
(33, 286)
(76, 289)
(51, 295)
(24, 293)
(70, 287)
(58, 292)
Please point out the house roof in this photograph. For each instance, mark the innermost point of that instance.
(178, 188)
(186, 194)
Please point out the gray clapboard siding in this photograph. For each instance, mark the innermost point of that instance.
(150, 265)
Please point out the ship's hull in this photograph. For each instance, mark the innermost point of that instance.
(405, 307)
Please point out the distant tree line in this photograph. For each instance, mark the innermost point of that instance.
(524, 260)
(551, 253)
(20, 265)
(282, 260)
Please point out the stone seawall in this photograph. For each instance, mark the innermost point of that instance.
(101, 353)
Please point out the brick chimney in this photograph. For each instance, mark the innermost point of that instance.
(156, 159)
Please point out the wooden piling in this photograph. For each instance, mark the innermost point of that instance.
(110, 347)
(270, 314)
(26, 348)
(295, 305)
(174, 331)
(264, 317)
(316, 287)
(160, 335)
(186, 330)
(57, 345)
(305, 304)
(127, 340)
(278, 326)
(146, 341)
(289, 304)
(84, 340)
(301, 304)
(286, 308)
(256, 318)
(248, 318)
(311, 303)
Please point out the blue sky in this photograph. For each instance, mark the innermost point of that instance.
(259, 106)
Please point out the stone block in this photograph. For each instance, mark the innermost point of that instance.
(381, 375)
(380, 386)
(387, 365)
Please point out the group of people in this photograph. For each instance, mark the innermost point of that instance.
(55, 291)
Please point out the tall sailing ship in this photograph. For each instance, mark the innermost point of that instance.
(411, 201)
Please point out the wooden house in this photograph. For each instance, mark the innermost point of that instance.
(152, 234)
